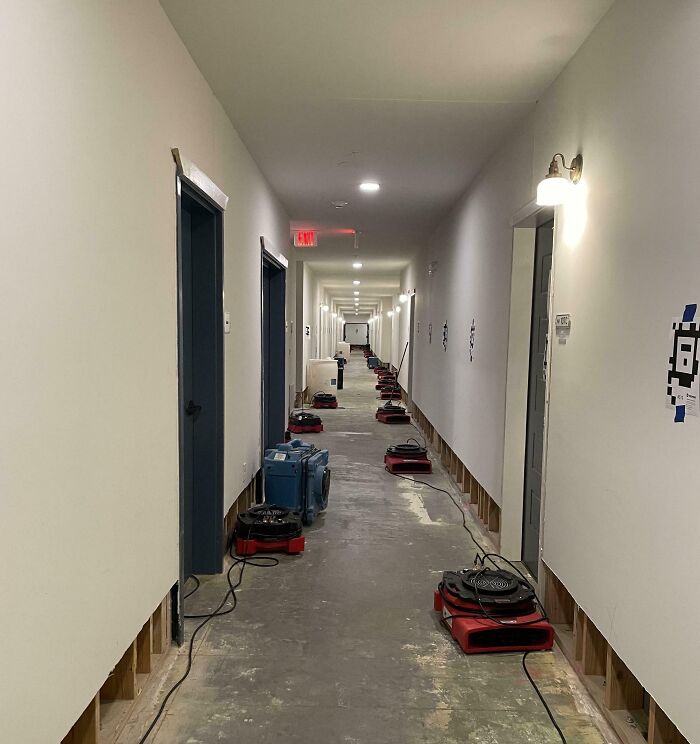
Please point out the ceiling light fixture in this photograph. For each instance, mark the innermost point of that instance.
(554, 188)
(403, 298)
(369, 187)
(356, 281)
(357, 265)
(356, 292)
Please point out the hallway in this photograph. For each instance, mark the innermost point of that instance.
(341, 644)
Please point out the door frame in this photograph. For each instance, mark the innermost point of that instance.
(206, 193)
(279, 262)
(523, 222)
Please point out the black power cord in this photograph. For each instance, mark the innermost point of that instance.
(542, 700)
(486, 555)
(260, 562)
(196, 586)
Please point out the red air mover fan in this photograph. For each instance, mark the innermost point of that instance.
(324, 400)
(390, 413)
(390, 393)
(304, 422)
(268, 529)
(407, 458)
(488, 611)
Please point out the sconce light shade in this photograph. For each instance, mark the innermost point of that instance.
(390, 314)
(324, 308)
(554, 188)
(398, 308)
(551, 192)
(403, 298)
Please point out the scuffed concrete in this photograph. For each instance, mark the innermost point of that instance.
(341, 645)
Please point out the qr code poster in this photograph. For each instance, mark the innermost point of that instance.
(683, 384)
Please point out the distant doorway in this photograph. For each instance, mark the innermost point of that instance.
(536, 396)
(200, 279)
(411, 336)
(274, 279)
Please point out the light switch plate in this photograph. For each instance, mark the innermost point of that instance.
(227, 322)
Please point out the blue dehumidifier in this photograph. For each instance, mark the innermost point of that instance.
(297, 476)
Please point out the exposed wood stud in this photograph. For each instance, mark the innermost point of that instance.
(622, 690)
(579, 622)
(161, 627)
(86, 729)
(494, 516)
(661, 729)
(144, 646)
(559, 604)
(594, 650)
(121, 683)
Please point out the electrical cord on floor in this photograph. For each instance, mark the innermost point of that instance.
(542, 700)
(197, 585)
(260, 562)
(482, 559)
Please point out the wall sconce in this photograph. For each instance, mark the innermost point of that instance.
(403, 297)
(324, 308)
(334, 315)
(554, 188)
(397, 309)
(390, 314)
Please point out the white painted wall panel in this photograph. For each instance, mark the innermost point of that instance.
(94, 97)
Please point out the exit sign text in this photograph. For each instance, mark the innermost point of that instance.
(305, 239)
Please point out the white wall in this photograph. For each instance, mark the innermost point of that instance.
(471, 251)
(622, 479)
(621, 509)
(356, 333)
(94, 97)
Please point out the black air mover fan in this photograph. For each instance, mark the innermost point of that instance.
(324, 400)
(407, 449)
(268, 528)
(304, 422)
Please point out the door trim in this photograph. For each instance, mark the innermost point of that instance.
(279, 262)
(527, 218)
(178, 609)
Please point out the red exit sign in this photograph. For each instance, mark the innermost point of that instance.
(305, 239)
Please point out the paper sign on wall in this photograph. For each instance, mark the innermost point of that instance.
(683, 381)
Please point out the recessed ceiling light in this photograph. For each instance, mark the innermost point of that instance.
(357, 265)
(356, 281)
(356, 292)
(369, 187)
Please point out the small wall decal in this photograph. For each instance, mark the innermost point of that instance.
(683, 388)
(430, 333)
(444, 337)
(472, 339)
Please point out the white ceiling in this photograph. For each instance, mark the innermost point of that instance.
(413, 93)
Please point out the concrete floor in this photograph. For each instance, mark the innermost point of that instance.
(341, 644)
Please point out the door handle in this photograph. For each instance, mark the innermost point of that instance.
(192, 408)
